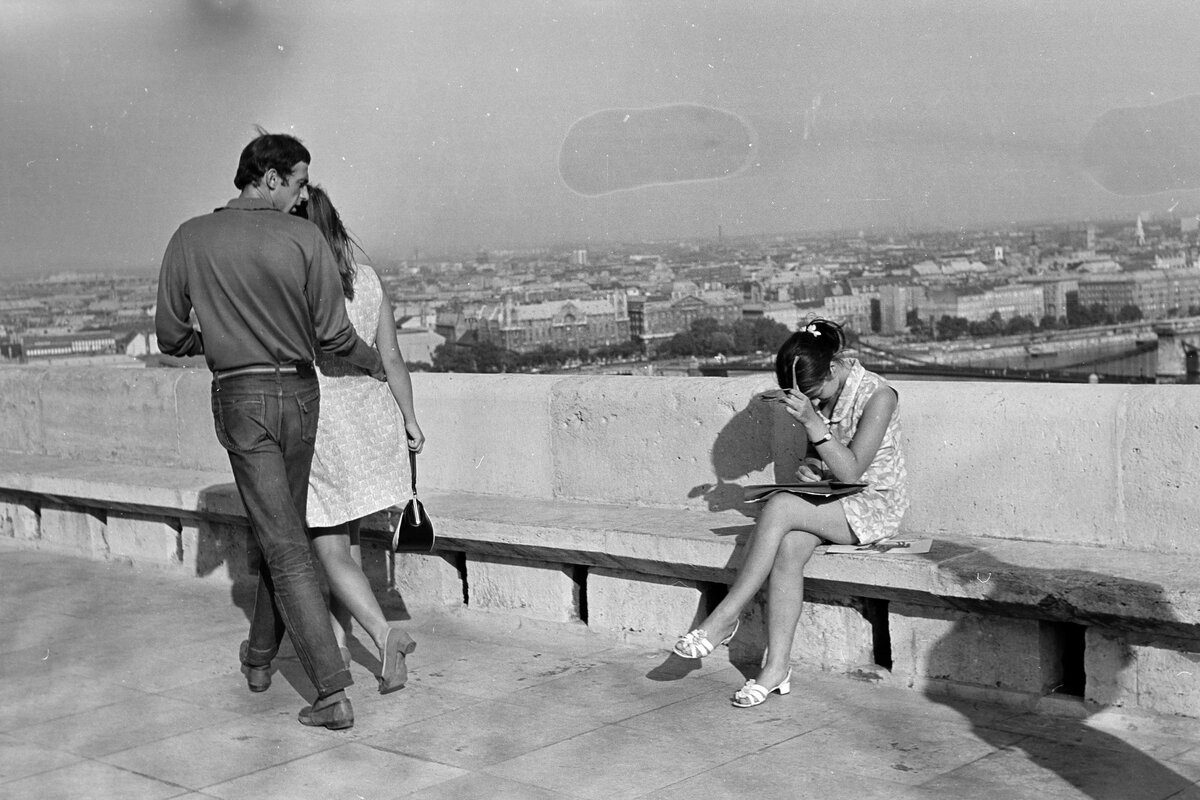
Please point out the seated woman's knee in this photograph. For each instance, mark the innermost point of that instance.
(798, 545)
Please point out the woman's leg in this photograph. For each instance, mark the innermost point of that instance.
(783, 514)
(339, 614)
(350, 591)
(785, 600)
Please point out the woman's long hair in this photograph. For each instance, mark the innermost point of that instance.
(806, 358)
(322, 213)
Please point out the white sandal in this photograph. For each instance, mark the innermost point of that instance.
(755, 694)
(695, 644)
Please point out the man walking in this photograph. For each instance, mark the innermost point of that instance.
(266, 294)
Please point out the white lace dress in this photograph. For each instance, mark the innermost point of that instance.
(360, 460)
(875, 513)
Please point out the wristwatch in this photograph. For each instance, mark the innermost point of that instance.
(827, 437)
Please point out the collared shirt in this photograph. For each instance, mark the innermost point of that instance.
(265, 289)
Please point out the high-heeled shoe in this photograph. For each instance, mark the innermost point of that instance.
(393, 670)
(695, 644)
(755, 694)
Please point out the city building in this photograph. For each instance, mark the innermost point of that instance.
(28, 347)
(562, 324)
(1058, 293)
(1158, 293)
(978, 305)
(850, 310)
(895, 302)
(417, 344)
(657, 319)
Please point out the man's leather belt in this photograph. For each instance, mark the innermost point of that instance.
(283, 369)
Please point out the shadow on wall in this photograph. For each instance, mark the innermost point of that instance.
(229, 544)
(1049, 659)
(742, 447)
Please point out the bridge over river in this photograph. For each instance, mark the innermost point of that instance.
(1166, 351)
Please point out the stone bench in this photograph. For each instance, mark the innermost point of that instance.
(644, 574)
(1072, 583)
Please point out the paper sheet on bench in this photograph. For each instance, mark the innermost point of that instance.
(892, 547)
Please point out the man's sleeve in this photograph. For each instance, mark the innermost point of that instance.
(327, 305)
(176, 337)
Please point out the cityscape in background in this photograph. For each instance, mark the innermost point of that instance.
(1058, 302)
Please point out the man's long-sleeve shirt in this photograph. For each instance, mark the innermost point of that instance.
(265, 289)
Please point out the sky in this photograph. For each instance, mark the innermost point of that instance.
(450, 126)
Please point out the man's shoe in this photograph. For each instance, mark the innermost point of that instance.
(333, 714)
(257, 678)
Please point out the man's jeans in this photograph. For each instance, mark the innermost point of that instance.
(268, 424)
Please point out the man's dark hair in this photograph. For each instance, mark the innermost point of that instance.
(277, 151)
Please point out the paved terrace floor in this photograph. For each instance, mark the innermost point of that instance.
(123, 683)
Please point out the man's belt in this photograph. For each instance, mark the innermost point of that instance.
(281, 369)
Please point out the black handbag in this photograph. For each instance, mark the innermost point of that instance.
(414, 530)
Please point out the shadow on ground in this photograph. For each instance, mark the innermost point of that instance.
(1065, 745)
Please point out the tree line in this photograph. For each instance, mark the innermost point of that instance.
(948, 327)
(705, 338)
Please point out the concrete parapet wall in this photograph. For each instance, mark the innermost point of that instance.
(615, 502)
(1075, 464)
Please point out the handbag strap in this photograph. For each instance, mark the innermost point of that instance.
(412, 462)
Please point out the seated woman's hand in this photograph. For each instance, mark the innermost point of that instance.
(810, 469)
(802, 409)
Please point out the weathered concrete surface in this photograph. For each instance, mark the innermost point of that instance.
(196, 445)
(19, 521)
(156, 541)
(1160, 676)
(68, 530)
(1159, 460)
(428, 581)
(948, 645)
(20, 410)
(832, 636)
(644, 442)
(1100, 465)
(643, 609)
(134, 483)
(535, 589)
(491, 436)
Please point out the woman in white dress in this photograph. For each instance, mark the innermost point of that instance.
(851, 428)
(360, 462)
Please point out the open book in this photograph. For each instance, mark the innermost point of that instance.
(759, 492)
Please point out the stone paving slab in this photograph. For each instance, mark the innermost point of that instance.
(124, 683)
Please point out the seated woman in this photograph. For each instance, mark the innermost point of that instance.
(360, 460)
(852, 429)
